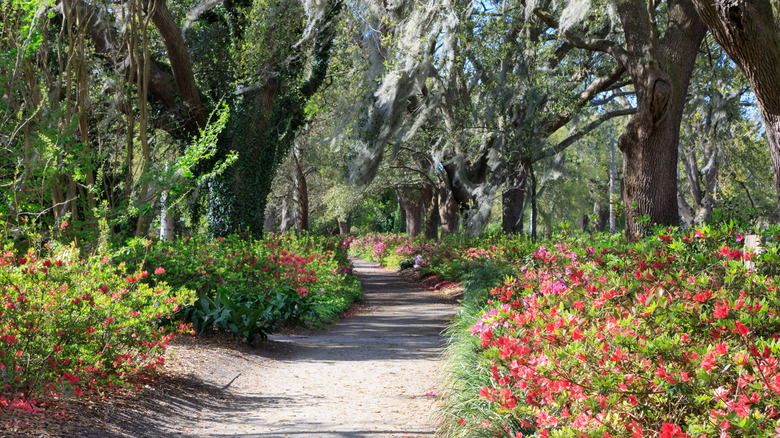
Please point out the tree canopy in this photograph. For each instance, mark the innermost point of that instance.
(176, 117)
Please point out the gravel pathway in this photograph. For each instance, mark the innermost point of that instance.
(372, 375)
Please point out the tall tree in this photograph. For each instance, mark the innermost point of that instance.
(659, 60)
(749, 31)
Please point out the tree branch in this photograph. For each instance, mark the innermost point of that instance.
(554, 150)
(197, 11)
(582, 42)
(597, 86)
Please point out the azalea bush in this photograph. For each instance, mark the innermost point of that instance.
(674, 336)
(381, 248)
(251, 286)
(73, 325)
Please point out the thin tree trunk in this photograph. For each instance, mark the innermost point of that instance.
(534, 210)
(302, 199)
(431, 198)
(401, 211)
(82, 108)
(612, 188)
(143, 89)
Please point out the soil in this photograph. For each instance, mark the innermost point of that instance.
(374, 374)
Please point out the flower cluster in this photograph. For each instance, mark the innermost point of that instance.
(673, 337)
(77, 325)
(257, 283)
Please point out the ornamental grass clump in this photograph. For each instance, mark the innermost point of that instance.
(671, 337)
(72, 325)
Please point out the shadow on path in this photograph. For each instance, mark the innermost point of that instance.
(229, 393)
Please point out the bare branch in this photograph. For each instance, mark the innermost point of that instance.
(197, 11)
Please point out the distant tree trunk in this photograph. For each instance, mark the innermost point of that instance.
(660, 73)
(612, 188)
(287, 219)
(345, 225)
(513, 199)
(271, 217)
(401, 211)
(302, 198)
(448, 212)
(166, 219)
(534, 210)
(749, 32)
(413, 207)
(431, 198)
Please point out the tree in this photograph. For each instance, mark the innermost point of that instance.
(749, 31)
(713, 112)
(659, 62)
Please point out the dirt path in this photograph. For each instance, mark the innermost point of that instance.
(372, 375)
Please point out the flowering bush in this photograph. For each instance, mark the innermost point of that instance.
(71, 325)
(381, 248)
(249, 287)
(672, 337)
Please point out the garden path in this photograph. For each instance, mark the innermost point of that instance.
(371, 375)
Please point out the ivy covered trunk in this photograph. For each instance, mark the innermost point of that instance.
(263, 127)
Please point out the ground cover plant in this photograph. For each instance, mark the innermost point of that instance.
(675, 335)
(74, 324)
(251, 286)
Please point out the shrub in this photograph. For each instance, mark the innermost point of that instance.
(670, 337)
(251, 286)
(71, 325)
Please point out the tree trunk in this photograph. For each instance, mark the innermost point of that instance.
(431, 198)
(413, 207)
(345, 225)
(180, 63)
(660, 73)
(287, 221)
(612, 188)
(271, 217)
(166, 219)
(401, 212)
(749, 32)
(513, 199)
(302, 200)
(448, 212)
(534, 210)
